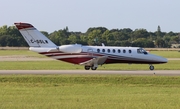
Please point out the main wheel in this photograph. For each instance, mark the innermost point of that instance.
(151, 67)
(93, 68)
(86, 67)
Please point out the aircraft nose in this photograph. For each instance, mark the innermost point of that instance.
(163, 60)
(159, 59)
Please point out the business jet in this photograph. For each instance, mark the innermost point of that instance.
(89, 56)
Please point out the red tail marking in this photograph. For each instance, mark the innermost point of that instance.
(23, 25)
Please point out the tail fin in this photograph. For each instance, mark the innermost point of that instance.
(33, 37)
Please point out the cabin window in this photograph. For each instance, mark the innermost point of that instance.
(98, 50)
(114, 50)
(109, 50)
(130, 51)
(124, 51)
(119, 51)
(103, 50)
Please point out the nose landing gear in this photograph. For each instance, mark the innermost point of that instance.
(151, 67)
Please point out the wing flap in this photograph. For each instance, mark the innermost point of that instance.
(97, 61)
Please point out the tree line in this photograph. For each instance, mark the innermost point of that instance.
(10, 36)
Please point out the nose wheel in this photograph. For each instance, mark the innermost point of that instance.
(151, 67)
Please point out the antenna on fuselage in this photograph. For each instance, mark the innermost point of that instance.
(103, 44)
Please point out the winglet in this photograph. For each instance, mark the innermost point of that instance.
(103, 44)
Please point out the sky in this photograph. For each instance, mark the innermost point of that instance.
(79, 15)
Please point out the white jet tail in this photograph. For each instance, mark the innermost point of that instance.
(33, 37)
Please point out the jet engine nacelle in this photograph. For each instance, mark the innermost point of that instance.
(70, 48)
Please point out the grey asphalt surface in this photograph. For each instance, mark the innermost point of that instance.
(49, 72)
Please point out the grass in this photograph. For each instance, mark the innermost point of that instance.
(59, 65)
(167, 54)
(89, 91)
(20, 52)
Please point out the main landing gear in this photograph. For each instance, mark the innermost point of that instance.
(88, 67)
(151, 67)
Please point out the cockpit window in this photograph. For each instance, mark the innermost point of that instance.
(141, 51)
(145, 52)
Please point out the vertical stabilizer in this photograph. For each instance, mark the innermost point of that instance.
(33, 37)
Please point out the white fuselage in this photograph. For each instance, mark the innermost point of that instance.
(77, 54)
(89, 56)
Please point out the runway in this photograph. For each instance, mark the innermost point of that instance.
(103, 72)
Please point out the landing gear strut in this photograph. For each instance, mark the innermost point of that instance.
(151, 67)
(94, 67)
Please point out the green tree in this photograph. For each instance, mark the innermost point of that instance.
(140, 33)
(83, 39)
(142, 42)
(160, 43)
(73, 39)
(126, 43)
(94, 37)
(45, 33)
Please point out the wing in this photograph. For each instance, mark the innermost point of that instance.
(95, 61)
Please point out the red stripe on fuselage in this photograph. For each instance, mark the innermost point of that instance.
(77, 60)
(50, 54)
(87, 56)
